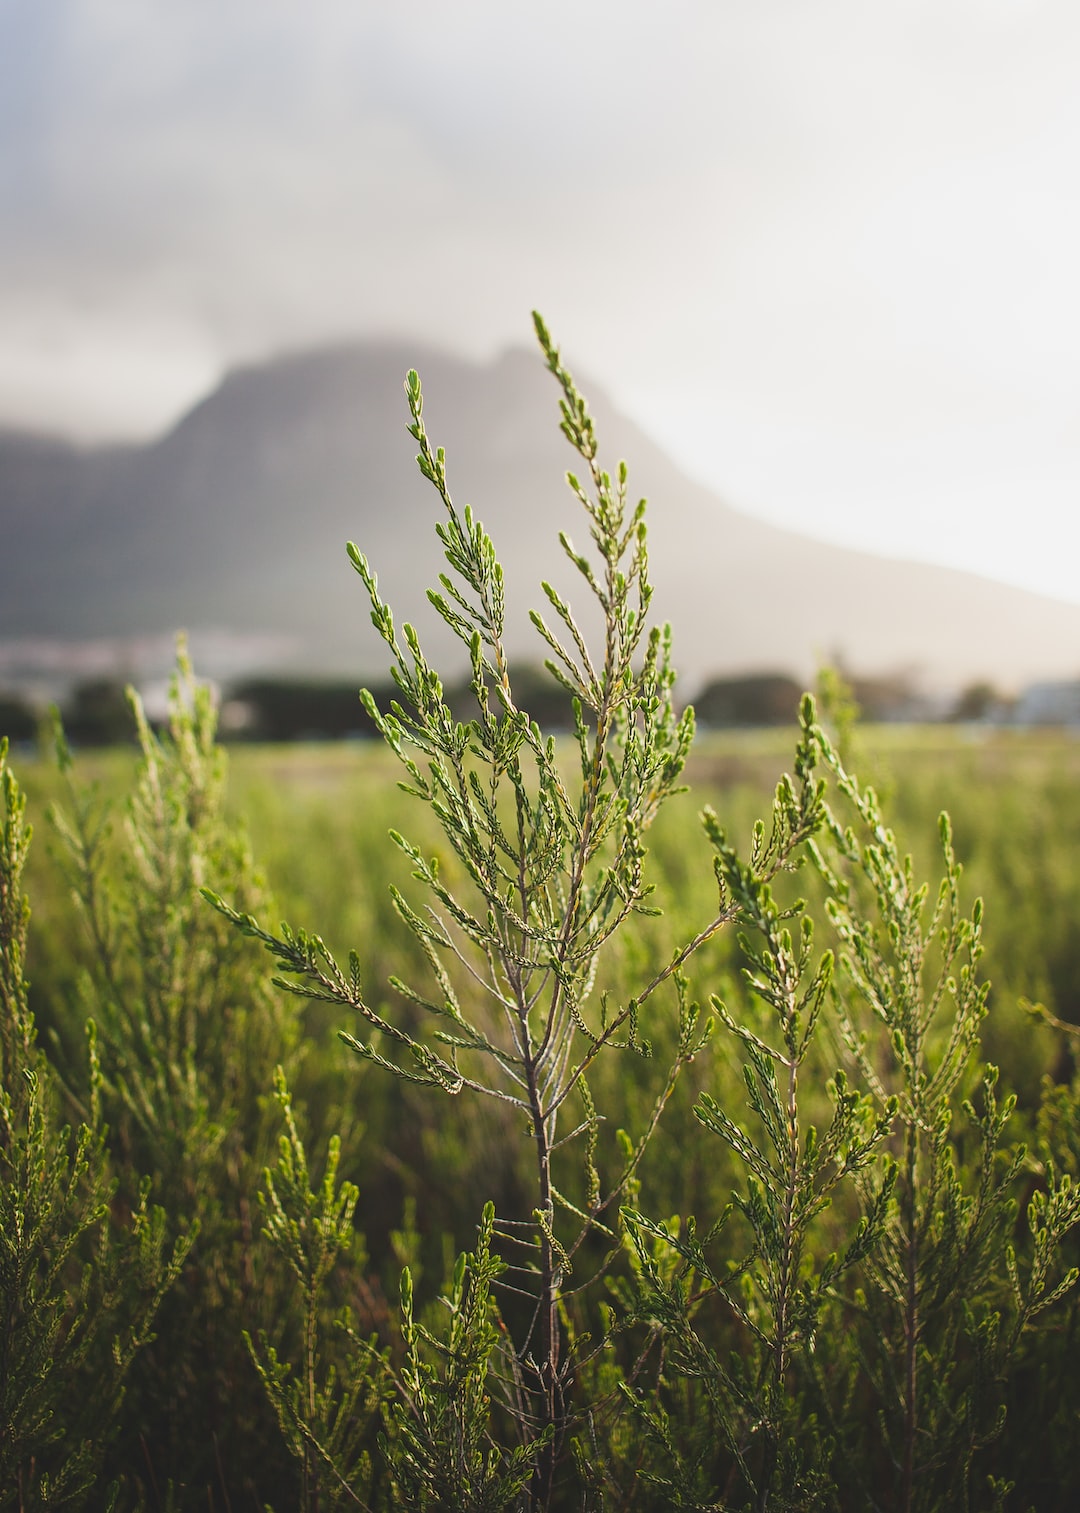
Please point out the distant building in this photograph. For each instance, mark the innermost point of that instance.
(1049, 704)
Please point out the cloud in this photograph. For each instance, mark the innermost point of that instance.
(846, 220)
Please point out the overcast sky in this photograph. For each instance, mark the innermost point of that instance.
(826, 251)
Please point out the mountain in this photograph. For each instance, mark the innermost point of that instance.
(234, 523)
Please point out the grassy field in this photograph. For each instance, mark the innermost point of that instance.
(1013, 797)
(317, 818)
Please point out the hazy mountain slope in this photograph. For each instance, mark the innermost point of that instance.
(48, 491)
(237, 520)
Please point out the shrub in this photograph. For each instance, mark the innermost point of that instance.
(79, 1287)
(189, 1038)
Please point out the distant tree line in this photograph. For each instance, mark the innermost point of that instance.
(293, 709)
(97, 712)
(268, 708)
(18, 720)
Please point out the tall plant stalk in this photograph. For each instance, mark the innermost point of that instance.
(549, 872)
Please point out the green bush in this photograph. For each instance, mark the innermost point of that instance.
(80, 1282)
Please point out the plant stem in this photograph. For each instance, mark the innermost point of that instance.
(911, 1322)
(550, 1279)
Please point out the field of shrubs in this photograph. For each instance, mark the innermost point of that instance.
(620, 1121)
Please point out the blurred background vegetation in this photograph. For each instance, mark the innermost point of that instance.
(317, 815)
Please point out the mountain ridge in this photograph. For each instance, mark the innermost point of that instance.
(235, 521)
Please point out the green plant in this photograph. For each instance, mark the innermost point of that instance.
(548, 873)
(189, 1037)
(854, 1353)
(441, 1447)
(78, 1290)
(945, 1299)
(326, 1409)
(772, 1279)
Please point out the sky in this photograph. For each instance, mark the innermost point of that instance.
(826, 252)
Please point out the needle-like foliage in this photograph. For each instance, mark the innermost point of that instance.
(551, 866)
(326, 1412)
(78, 1293)
(944, 1296)
(189, 1035)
